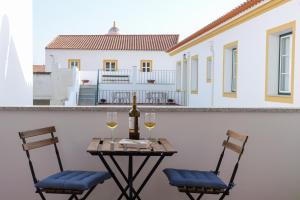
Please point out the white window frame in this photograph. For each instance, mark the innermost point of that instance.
(287, 55)
(234, 69)
(209, 62)
(146, 65)
(74, 63)
(194, 74)
(110, 67)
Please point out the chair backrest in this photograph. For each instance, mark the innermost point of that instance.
(239, 149)
(28, 146)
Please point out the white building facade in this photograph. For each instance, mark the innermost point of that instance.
(247, 58)
(116, 65)
(15, 53)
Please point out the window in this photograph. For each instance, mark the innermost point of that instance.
(284, 76)
(110, 65)
(146, 65)
(74, 63)
(230, 68)
(178, 76)
(194, 74)
(209, 69)
(233, 70)
(280, 63)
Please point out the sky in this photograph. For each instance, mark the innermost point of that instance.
(183, 17)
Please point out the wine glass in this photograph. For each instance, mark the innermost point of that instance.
(150, 122)
(112, 123)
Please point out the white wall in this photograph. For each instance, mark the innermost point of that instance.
(251, 37)
(42, 86)
(93, 60)
(269, 169)
(15, 52)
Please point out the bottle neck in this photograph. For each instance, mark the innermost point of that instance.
(134, 102)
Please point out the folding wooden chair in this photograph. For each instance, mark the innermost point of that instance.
(65, 182)
(208, 182)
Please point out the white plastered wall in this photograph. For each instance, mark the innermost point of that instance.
(251, 37)
(15, 52)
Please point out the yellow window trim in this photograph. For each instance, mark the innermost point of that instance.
(227, 26)
(209, 58)
(72, 60)
(115, 61)
(228, 46)
(195, 57)
(146, 61)
(230, 94)
(281, 98)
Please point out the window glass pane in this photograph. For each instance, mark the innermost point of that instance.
(284, 68)
(285, 63)
(285, 45)
(194, 75)
(234, 65)
(113, 66)
(209, 62)
(284, 83)
(107, 66)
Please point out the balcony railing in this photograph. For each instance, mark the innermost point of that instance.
(121, 76)
(127, 76)
(143, 97)
(167, 77)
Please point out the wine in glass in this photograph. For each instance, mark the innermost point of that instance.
(150, 122)
(112, 123)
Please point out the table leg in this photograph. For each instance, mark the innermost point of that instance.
(149, 176)
(114, 176)
(130, 176)
(125, 178)
(135, 175)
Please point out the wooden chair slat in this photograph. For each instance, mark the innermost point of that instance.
(93, 146)
(166, 144)
(62, 191)
(36, 132)
(236, 135)
(38, 144)
(233, 147)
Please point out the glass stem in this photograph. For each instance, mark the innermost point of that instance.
(112, 134)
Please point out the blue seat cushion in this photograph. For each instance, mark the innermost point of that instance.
(192, 178)
(73, 180)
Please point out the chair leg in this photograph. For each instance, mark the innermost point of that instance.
(200, 196)
(71, 197)
(42, 196)
(223, 196)
(88, 193)
(40, 193)
(190, 196)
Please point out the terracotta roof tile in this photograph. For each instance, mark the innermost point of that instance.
(39, 68)
(114, 42)
(233, 13)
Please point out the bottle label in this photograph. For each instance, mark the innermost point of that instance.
(131, 123)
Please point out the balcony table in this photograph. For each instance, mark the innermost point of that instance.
(102, 148)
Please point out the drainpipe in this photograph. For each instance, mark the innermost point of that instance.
(187, 57)
(212, 73)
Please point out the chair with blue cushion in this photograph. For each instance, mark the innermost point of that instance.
(208, 182)
(73, 183)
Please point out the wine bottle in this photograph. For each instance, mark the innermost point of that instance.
(134, 115)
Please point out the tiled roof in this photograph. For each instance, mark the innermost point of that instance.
(114, 42)
(39, 68)
(233, 13)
